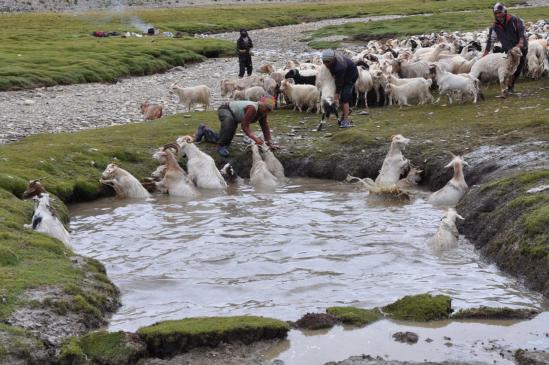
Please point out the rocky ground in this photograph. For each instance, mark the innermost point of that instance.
(75, 107)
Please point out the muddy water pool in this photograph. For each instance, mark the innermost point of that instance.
(302, 248)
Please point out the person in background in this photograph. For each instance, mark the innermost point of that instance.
(230, 115)
(345, 73)
(509, 30)
(243, 47)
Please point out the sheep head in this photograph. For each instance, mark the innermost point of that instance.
(456, 160)
(399, 140)
(34, 188)
(167, 147)
(143, 107)
(110, 171)
(183, 140)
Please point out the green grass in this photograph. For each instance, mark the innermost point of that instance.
(355, 316)
(51, 49)
(475, 20)
(171, 337)
(422, 308)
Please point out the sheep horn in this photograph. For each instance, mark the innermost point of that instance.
(171, 145)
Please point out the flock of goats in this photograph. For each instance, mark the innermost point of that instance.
(392, 71)
(404, 71)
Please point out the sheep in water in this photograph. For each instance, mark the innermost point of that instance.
(273, 164)
(200, 166)
(260, 176)
(124, 184)
(447, 234)
(230, 176)
(454, 190)
(394, 163)
(175, 181)
(45, 219)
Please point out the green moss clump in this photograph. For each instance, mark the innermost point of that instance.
(483, 312)
(355, 316)
(169, 338)
(537, 221)
(421, 308)
(71, 353)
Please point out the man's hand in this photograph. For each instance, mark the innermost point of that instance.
(273, 146)
(258, 141)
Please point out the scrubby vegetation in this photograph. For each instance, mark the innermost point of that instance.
(495, 313)
(420, 24)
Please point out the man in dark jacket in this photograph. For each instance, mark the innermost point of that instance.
(243, 46)
(345, 74)
(509, 30)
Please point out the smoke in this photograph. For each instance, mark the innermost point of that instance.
(113, 11)
(136, 22)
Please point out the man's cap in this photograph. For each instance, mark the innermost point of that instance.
(328, 55)
(268, 102)
(243, 30)
(499, 7)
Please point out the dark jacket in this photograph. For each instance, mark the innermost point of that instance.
(246, 45)
(509, 33)
(344, 71)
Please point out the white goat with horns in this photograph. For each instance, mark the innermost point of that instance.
(454, 190)
(124, 184)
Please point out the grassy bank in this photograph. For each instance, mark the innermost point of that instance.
(360, 31)
(50, 49)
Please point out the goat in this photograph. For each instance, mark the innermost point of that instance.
(535, 58)
(450, 84)
(307, 77)
(453, 191)
(497, 66)
(273, 164)
(301, 95)
(124, 184)
(260, 176)
(189, 96)
(45, 219)
(151, 111)
(447, 235)
(394, 163)
(230, 175)
(253, 93)
(363, 84)
(266, 69)
(403, 93)
(175, 181)
(326, 84)
(201, 166)
(406, 69)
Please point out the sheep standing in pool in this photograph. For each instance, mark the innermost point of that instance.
(45, 219)
(200, 166)
(394, 163)
(454, 190)
(447, 234)
(260, 176)
(175, 181)
(273, 164)
(124, 184)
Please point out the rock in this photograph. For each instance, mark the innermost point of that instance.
(316, 321)
(524, 357)
(406, 337)
(495, 313)
(28, 102)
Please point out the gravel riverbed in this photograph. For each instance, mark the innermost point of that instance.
(71, 108)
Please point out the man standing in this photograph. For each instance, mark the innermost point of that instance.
(509, 30)
(243, 46)
(345, 73)
(243, 112)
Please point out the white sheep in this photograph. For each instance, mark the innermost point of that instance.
(405, 69)
(404, 93)
(535, 60)
(253, 93)
(301, 95)
(433, 54)
(446, 237)
(325, 83)
(418, 83)
(201, 167)
(363, 84)
(394, 163)
(175, 181)
(497, 67)
(124, 184)
(453, 191)
(45, 219)
(260, 176)
(189, 96)
(450, 84)
(273, 164)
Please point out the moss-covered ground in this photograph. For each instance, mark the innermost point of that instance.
(50, 49)
(355, 316)
(419, 24)
(421, 308)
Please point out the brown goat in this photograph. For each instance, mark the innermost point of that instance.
(34, 188)
(151, 111)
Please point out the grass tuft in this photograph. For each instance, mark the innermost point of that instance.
(355, 316)
(421, 308)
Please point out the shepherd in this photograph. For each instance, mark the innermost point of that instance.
(509, 30)
(243, 47)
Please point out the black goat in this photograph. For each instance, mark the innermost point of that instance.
(299, 79)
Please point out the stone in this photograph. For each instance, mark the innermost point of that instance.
(406, 337)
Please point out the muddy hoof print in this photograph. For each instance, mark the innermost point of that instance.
(406, 337)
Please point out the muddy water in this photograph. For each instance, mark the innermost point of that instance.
(307, 246)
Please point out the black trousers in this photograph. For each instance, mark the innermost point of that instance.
(244, 64)
(228, 126)
(520, 67)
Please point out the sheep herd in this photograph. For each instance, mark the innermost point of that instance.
(401, 71)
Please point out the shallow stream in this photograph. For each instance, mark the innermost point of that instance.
(307, 246)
